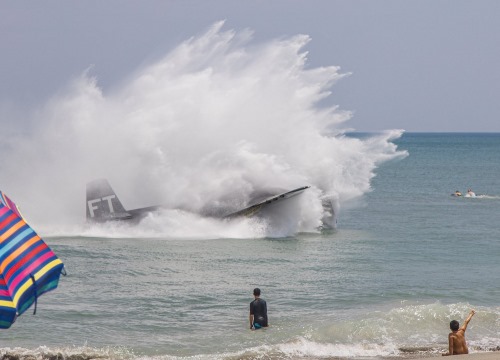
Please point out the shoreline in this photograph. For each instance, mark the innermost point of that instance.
(474, 356)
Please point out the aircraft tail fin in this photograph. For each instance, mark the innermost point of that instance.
(103, 204)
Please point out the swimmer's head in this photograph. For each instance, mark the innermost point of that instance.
(454, 325)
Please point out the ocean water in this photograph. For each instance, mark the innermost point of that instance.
(404, 260)
(203, 128)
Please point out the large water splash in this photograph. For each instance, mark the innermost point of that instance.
(216, 119)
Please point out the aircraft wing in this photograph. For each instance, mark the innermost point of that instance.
(253, 209)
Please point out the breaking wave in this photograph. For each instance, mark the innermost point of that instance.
(404, 332)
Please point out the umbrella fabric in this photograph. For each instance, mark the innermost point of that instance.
(28, 267)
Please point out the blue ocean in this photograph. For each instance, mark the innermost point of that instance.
(403, 262)
(377, 274)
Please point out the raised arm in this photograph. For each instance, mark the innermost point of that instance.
(466, 322)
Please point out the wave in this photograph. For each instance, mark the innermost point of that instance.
(298, 349)
(492, 197)
(404, 331)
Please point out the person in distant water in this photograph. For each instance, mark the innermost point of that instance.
(470, 193)
(457, 193)
(456, 339)
(258, 311)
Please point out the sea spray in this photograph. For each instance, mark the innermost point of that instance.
(215, 120)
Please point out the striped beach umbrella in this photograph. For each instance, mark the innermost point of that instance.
(28, 267)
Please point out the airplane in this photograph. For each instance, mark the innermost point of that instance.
(103, 204)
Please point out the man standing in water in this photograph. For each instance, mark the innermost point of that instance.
(258, 311)
(456, 339)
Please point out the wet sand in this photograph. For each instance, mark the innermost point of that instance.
(476, 356)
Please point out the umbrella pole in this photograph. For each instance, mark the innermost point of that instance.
(36, 295)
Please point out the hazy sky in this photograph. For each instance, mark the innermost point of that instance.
(418, 65)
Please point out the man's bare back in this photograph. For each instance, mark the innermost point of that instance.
(456, 339)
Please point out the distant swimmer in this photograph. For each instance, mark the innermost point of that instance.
(470, 193)
(258, 311)
(456, 339)
(457, 193)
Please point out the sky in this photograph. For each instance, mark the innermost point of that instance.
(416, 65)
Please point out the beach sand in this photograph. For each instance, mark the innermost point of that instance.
(476, 356)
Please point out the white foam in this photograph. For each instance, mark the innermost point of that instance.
(215, 119)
